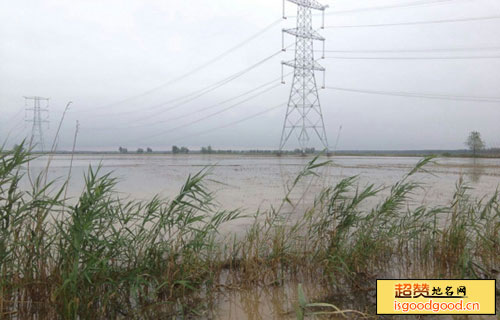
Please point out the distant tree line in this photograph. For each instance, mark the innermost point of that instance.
(210, 150)
(474, 142)
(139, 150)
(306, 151)
(177, 150)
(207, 150)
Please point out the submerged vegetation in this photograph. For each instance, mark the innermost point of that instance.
(102, 257)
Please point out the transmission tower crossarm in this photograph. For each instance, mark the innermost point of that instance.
(304, 116)
(303, 33)
(309, 4)
(32, 109)
(36, 98)
(37, 120)
(312, 66)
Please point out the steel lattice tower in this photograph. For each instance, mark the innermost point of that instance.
(303, 115)
(37, 120)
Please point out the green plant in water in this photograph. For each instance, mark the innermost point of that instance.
(304, 309)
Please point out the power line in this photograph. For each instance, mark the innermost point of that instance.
(414, 23)
(411, 4)
(230, 99)
(219, 57)
(236, 122)
(201, 92)
(407, 5)
(190, 114)
(421, 95)
(416, 58)
(413, 50)
(199, 68)
(213, 114)
(212, 88)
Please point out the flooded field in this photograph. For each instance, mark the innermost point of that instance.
(212, 264)
(252, 182)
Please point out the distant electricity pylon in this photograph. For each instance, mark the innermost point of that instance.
(303, 115)
(37, 120)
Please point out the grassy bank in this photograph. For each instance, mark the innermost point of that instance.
(102, 257)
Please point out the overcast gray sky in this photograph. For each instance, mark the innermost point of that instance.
(101, 54)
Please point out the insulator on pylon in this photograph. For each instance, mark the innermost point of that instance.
(284, 15)
(282, 76)
(323, 19)
(304, 94)
(323, 55)
(283, 40)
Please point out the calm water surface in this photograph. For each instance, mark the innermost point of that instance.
(253, 182)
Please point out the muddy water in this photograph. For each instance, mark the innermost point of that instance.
(253, 182)
(270, 302)
(265, 303)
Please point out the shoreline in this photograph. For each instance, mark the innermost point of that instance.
(399, 154)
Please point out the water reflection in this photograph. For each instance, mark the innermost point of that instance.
(475, 170)
(262, 303)
(279, 302)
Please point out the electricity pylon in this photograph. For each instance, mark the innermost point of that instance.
(37, 120)
(303, 116)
